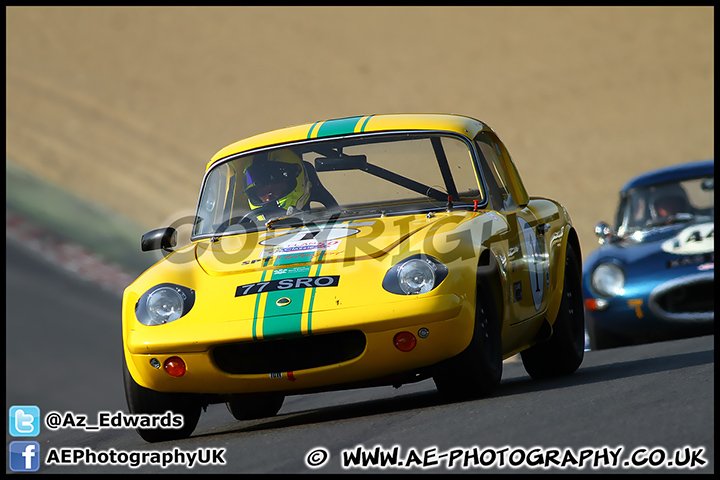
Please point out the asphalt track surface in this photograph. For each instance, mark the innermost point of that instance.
(655, 402)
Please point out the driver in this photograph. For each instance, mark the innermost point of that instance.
(667, 202)
(277, 179)
(669, 206)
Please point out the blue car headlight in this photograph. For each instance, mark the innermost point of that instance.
(415, 275)
(164, 303)
(608, 280)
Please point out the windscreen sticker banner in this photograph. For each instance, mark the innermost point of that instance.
(308, 239)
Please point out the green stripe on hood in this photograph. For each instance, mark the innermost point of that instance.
(286, 321)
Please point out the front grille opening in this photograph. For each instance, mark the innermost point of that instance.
(690, 298)
(289, 355)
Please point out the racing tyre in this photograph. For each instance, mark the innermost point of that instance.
(563, 353)
(477, 370)
(142, 400)
(251, 408)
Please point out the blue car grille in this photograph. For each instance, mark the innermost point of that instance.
(289, 355)
(686, 298)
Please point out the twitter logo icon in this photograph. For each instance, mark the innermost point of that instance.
(24, 421)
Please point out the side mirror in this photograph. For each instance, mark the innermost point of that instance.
(162, 238)
(603, 232)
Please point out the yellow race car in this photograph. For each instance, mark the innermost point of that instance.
(354, 252)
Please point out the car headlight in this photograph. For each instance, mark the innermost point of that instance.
(608, 280)
(163, 304)
(415, 275)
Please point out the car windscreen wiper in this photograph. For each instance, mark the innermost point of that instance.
(300, 218)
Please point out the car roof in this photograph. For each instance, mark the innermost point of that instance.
(684, 170)
(460, 124)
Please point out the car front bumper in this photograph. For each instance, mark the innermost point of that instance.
(447, 322)
(671, 308)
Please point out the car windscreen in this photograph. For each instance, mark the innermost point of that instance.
(666, 203)
(344, 176)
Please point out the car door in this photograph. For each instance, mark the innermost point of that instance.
(527, 261)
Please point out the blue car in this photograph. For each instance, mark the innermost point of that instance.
(653, 277)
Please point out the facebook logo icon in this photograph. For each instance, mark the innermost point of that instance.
(24, 456)
(24, 421)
